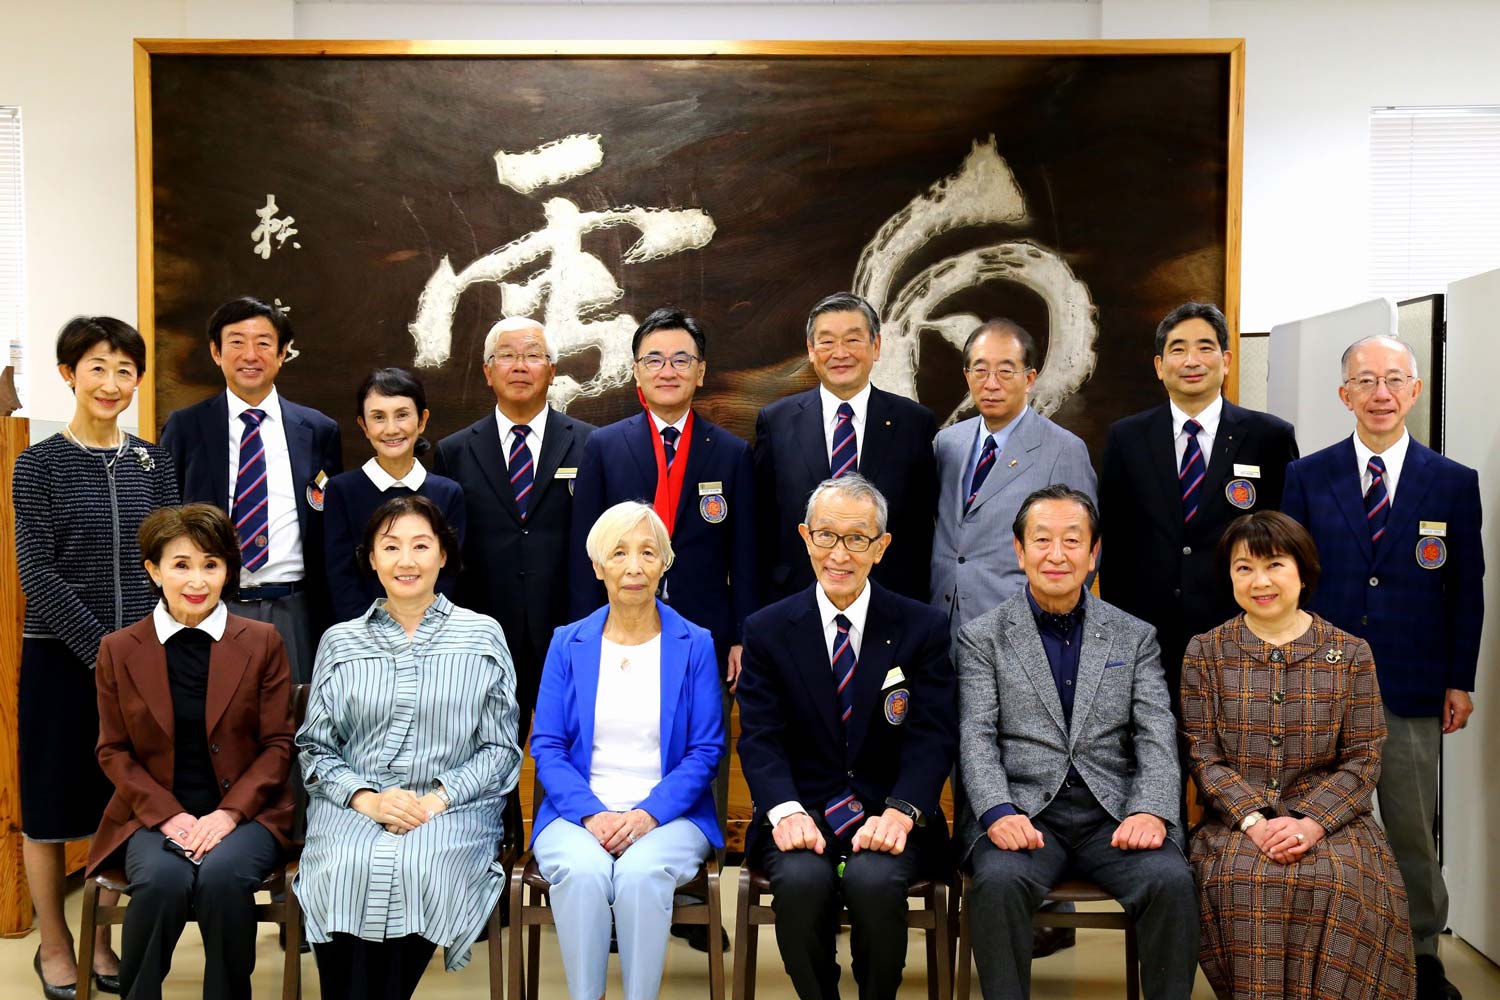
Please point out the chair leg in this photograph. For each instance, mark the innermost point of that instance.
(533, 960)
(743, 975)
(291, 971)
(965, 943)
(715, 922)
(497, 953)
(940, 951)
(513, 970)
(1132, 965)
(86, 938)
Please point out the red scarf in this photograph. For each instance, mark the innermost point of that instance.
(669, 484)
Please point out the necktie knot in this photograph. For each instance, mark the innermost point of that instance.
(521, 430)
(252, 417)
(846, 411)
(1377, 465)
(670, 435)
(842, 623)
(989, 446)
(1191, 427)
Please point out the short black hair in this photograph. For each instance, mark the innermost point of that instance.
(394, 382)
(82, 332)
(1206, 311)
(248, 307)
(1006, 328)
(1268, 533)
(1057, 491)
(840, 302)
(398, 507)
(668, 318)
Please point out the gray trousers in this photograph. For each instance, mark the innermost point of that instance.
(1407, 793)
(292, 618)
(1155, 887)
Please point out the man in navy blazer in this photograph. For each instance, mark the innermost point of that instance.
(712, 581)
(848, 729)
(290, 452)
(845, 425)
(1397, 530)
(516, 551)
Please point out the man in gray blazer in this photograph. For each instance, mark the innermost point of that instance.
(1068, 755)
(986, 466)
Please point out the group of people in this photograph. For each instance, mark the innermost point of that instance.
(891, 605)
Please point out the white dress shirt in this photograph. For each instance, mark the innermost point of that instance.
(537, 427)
(284, 559)
(1394, 457)
(1208, 420)
(856, 613)
(167, 626)
(375, 472)
(859, 403)
(626, 761)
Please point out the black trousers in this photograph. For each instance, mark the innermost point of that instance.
(351, 968)
(808, 894)
(1155, 887)
(167, 890)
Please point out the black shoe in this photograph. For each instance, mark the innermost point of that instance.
(1051, 940)
(68, 992)
(1432, 980)
(107, 984)
(696, 935)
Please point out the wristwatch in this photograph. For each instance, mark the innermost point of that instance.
(442, 794)
(1251, 820)
(912, 812)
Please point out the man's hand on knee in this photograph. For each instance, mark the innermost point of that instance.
(798, 832)
(1140, 832)
(1015, 833)
(886, 832)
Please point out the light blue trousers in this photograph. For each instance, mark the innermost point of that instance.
(592, 889)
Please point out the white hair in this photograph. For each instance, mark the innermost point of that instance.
(510, 323)
(1379, 338)
(619, 521)
(852, 486)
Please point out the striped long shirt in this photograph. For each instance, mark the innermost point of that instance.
(386, 712)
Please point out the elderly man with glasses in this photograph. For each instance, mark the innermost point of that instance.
(1397, 528)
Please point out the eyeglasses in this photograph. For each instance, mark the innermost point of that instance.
(1363, 385)
(507, 358)
(982, 375)
(825, 539)
(656, 362)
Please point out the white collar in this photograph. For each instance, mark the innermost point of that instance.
(537, 425)
(271, 405)
(1208, 419)
(859, 403)
(1393, 457)
(167, 626)
(856, 612)
(659, 423)
(383, 481)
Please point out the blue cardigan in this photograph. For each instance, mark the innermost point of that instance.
(692, 725)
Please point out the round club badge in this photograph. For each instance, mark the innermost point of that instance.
(1431, 553)
(713, 507)
(261, 541)
(314, 497)
(896, 705)
(1241, 493)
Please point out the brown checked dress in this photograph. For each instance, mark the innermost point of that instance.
(1294, 729)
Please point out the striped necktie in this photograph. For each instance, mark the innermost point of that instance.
(521, 467)
(844, 810)
(1190, 475)
(845, 455)
(669, 436)
(252, 515)
(1377, 500)
(981, 470)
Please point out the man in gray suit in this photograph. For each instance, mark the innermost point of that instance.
(1068, 754)
(986, 466)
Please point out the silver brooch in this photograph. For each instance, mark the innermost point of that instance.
(143, 458)
(1334, 656)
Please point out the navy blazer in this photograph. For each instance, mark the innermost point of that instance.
(791, 459)
(347, 505)
(1421, 624)
(692, 725)
(792, 746)
(712, 582)
(1154, 566)
(197, 437)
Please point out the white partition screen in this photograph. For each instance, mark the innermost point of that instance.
(1303, 369)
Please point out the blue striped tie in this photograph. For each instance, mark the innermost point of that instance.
(252, 516)
(1377, 500)
(522, 469)
(844, 810)
(1190, 475)
(981, 470)
(845, 456)
(669, 436)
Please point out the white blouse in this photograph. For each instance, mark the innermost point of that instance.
(626, 761)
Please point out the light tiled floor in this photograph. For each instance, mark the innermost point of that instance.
(1094, 970)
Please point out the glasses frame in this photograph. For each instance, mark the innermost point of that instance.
(1002, 375)
(1354, 389)
(525, 358)
(866, 540)
(681, 362)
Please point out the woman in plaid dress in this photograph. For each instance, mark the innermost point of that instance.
(1299, 891)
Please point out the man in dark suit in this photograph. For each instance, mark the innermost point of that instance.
(696, 474)
(264, 460)
(1173, 478)
(845, 425)
(1397, 529)
(848, 729)
(516, 466)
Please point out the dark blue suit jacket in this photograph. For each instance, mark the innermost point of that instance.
(1421, 624)
(198, 438)
(692, 725)
(712, 582)
(792, 746)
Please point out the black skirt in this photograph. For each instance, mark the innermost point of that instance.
(63, 791)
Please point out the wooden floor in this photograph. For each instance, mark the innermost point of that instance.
(1092, 970)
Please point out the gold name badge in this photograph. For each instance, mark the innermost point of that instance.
(566, 473)
(709, 489)
(1434, 529)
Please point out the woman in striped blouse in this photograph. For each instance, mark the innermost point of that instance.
(408, 752)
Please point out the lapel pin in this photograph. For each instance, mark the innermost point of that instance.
(1335, 656)
(1013, 462)
(888, 423)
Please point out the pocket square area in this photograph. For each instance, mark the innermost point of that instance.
(1116, 663)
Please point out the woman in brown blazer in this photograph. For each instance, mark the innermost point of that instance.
(195, 731)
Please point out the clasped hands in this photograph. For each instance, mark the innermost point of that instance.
(199, 834)
(399, 810)
(616, 831)
(885, 832)
(1278, 838)
(1139, 832)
